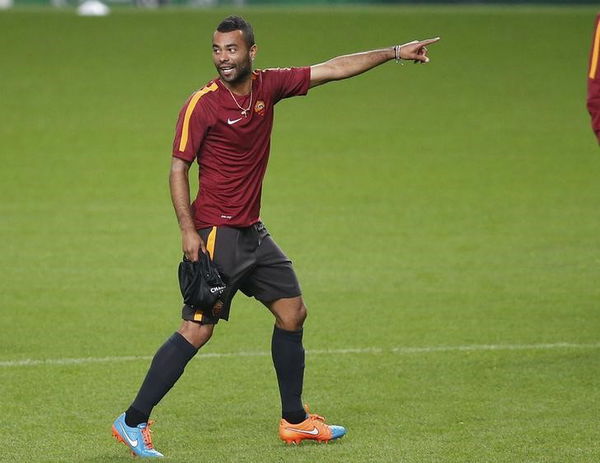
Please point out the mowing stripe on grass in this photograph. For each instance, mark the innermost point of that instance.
(366, 350)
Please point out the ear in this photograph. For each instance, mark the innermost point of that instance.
(253, 50)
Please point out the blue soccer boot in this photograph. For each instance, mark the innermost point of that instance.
(138, 439)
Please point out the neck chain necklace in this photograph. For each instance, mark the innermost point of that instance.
(243, 110)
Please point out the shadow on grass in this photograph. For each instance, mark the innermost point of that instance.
(110, 457)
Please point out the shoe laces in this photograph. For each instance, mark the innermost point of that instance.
(146, 434)
(313, 416)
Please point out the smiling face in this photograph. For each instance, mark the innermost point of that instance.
(232, 57)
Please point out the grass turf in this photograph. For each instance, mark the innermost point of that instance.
(443, 205)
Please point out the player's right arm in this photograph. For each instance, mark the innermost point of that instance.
(191, 128)
(179, 184)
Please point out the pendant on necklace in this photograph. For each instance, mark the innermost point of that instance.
(245, 113)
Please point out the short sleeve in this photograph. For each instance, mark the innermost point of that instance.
(288, 82)
(192, 126)
(593, 97)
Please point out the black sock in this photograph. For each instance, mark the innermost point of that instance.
(166, 368)
(288, 358)
(294, 417)
(133, 417)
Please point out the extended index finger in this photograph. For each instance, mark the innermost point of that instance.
(425, 42)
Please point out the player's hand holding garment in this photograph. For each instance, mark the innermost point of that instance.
(200, 283)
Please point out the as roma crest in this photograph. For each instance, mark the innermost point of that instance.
(259, 107)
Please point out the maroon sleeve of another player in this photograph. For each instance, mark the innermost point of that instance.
(593, 97)
(287, 82)
(191, 128)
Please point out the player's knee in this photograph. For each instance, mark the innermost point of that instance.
(302, 314)
(293, 320)
(195, 333)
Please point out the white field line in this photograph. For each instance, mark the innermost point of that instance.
(367, 350)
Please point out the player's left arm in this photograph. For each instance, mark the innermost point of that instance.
(346, 66)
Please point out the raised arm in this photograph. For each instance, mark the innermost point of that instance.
(191, 243)
(346, 66)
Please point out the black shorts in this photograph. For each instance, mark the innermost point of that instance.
(249, 260)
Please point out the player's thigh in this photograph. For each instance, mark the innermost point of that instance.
(273, 276)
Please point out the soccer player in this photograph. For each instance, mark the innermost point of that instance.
(226, 127)
(593, 97)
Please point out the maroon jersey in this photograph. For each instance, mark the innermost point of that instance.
(593, 98)
(232, 149)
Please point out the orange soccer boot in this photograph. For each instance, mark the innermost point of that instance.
(313, 427)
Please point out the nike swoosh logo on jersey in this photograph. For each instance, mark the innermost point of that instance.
(230, 122)
(133, 443)
(314, 431)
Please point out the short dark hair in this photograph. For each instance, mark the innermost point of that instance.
(237, 23)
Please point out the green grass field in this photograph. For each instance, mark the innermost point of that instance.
(444, 221)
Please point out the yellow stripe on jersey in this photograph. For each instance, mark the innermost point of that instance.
(595, 52)
(210, 242)
(188, 113)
